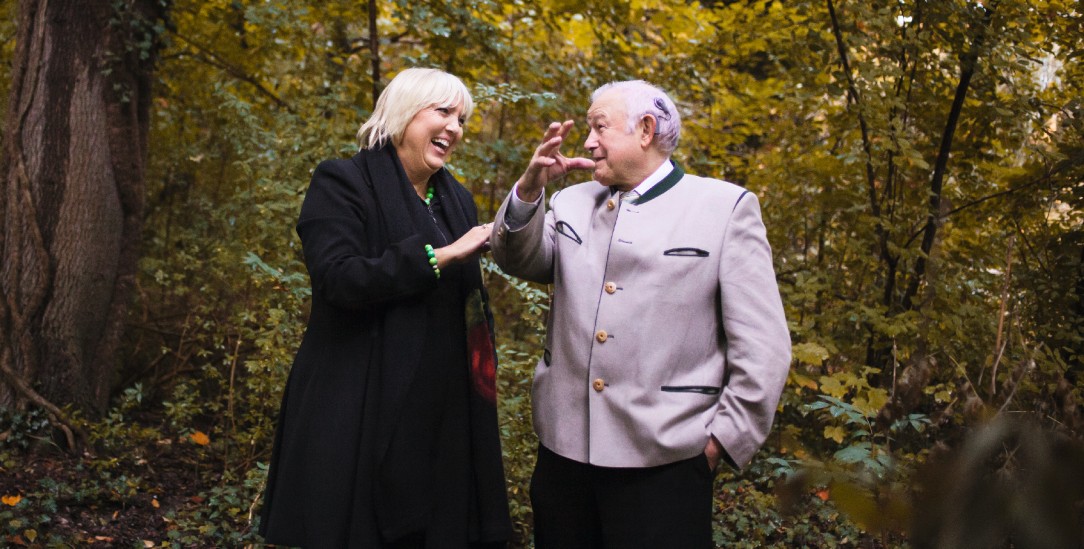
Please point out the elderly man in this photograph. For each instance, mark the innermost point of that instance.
(667, 348)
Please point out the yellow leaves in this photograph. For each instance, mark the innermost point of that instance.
(835, 432)
(201, 438)
(810, 353)
(11, 500)
(802, 381)
(872, 401)
(835, 385)
(867, 400)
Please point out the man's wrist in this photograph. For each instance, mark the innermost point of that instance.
(527, 195)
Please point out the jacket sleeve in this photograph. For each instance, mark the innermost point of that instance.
(757, 335)
(336, 217)
(526, 252)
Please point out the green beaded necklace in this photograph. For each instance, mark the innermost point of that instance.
(428, 196)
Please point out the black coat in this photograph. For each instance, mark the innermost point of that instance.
(348, 385)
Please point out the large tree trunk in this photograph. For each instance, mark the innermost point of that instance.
(75, 141)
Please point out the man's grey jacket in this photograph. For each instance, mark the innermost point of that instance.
(666, 324)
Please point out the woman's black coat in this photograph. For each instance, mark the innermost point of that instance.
(369, 274)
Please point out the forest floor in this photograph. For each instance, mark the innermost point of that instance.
(126, 498)
(92, 519)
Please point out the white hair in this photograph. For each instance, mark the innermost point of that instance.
(407, 94)
(642, 99)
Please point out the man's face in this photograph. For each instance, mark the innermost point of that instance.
(617, 152)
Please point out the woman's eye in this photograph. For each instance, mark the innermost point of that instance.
(443, 110)
(462, 121)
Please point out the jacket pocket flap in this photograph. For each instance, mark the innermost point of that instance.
(686, 252)
(699, 389)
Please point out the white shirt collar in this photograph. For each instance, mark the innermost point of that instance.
(659, 174)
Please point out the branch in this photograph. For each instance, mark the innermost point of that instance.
(213, 59)
(855, 99)
(998, 346)
(968, 63)
(74, 435)
(976, 202)
(374, 50)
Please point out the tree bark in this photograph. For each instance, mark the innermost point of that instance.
(73, 162)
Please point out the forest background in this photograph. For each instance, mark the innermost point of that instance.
(920, 166)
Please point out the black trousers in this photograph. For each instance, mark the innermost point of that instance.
(581, 506)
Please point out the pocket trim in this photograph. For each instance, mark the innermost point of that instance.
(686, 252)
(698, 389)
(562, 227)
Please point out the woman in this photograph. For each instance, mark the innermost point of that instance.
(387, 437)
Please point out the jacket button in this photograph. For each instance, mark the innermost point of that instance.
(610, 287)
(601, 336)
(610, 204)
(599, 385)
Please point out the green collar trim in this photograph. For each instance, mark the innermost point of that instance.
(662, 186)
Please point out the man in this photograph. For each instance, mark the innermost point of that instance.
(667, 348)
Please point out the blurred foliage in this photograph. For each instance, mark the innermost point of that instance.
(839, 115)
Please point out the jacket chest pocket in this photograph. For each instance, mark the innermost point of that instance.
(673, 265)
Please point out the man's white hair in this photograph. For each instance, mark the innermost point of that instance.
(641, 99)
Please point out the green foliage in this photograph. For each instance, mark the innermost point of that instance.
(837, 123)
(225, 514)
(21, 429)
(517, 355)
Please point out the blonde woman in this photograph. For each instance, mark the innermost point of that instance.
(387, 436)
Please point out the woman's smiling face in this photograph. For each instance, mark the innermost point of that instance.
(428, 141)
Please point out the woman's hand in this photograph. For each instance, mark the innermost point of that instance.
(471, 244)
(548, 164)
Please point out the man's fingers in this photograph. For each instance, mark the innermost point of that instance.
(553, 129)
(550, 146)
(564, 128)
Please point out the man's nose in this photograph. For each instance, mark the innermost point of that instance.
(592, 141)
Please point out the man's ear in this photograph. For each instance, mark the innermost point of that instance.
(647, 130)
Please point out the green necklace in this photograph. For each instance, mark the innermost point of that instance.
(428, 196)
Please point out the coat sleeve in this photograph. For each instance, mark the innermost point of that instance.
(526, 252)
(757, 335)
(336, 219)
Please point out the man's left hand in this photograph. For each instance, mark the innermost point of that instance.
(714, 452)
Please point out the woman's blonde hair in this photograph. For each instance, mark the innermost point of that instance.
(408, 93)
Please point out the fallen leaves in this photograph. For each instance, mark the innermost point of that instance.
(201, 438)
(11, 500)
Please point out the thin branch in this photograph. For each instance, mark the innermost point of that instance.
(998, 344)
(374, 50)
(976, 202)
(856, 99)
(968, 63)
(211, 58)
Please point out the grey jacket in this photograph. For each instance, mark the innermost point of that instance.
(666, 324)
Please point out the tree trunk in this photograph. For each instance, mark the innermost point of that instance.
(75, 141)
